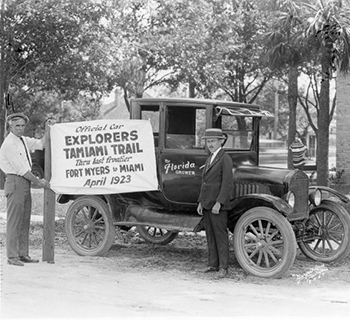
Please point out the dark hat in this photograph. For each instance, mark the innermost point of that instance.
(214, 134)
(14, 116)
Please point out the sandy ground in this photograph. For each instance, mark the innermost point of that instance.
(111, 287)
(92, 287)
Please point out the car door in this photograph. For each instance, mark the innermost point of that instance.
(182, 158)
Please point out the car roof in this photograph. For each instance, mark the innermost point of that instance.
(226, 107)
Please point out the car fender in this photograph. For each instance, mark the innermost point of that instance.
(249, 201)
(335, 193)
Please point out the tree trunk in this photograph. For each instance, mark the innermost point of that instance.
(292, 101)
(323, 121)
(2, 87)
(140, 83)
(191, 89)
(343, 128)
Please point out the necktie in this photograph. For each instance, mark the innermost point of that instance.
(25, 148)
(211, 158)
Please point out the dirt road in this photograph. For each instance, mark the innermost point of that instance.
(109, 287)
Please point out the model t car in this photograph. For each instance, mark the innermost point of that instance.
(274, 210)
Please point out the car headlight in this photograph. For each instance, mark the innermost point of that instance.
(315, 197)
(290, 198)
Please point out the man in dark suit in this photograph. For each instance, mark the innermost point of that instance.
(214, 201)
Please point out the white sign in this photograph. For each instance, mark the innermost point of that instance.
(103, 157)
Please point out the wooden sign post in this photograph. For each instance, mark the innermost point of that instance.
(49, 206)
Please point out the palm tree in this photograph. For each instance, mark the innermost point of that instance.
(328, 30)
(285, 50)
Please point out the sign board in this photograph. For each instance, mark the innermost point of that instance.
(103, 157)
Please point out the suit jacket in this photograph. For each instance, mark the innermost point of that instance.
(217, 182)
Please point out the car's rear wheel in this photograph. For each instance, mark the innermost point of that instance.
(327, 233)
(37, 171)
(264, 243)
(156, 235)
(89, 226)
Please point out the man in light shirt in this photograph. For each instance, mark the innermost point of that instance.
(15, 162)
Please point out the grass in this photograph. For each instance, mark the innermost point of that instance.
(38, 204)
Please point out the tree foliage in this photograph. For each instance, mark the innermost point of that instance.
(214, 46)
(60, 57)
(57, 46)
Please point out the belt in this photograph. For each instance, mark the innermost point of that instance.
(16, 176)
(13, 174)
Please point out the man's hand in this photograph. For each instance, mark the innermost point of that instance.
(39, 182)
(216, 208)
(50, 121)
(200, 209)
(44, 184)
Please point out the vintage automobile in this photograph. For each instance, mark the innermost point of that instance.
(274, 210)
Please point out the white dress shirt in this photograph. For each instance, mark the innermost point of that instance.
(213, 155)
(13, 157)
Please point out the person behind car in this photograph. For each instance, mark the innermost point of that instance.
(298, 154)
(214, 201)
(15, 162)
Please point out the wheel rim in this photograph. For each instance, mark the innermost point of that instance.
(263, 244)
(328, 233)
(156, 233)
(89, 227)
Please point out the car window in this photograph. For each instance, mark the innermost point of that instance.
(184, 127)
(239, 131)
(151, 113)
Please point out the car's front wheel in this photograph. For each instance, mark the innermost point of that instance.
(264, 243)
(89, 226)
(156, 235)
(327, 233)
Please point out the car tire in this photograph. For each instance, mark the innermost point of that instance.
(264, 243)
(156, 235)
(37, 171)
(89, 226)
(329, 226)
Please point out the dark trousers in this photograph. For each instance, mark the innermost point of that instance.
(217, 238)
(19, 206)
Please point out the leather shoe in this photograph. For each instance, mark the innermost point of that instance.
(15, 262)
(211, 269)
(28, 259)
(222, 274)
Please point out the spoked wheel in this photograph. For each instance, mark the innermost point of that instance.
(156, 235)
(327, 233)
(37, 171)
(264, 243)
(89, 226)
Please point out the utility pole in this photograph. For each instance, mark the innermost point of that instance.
(275, 124)
(49, 206)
